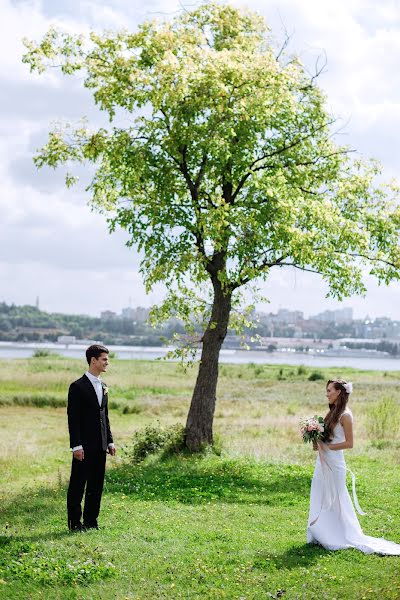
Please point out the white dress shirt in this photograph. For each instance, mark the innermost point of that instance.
(98, 388)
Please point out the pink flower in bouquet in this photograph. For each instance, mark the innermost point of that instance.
(312, 429)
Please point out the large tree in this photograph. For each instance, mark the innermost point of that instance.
(226, 169)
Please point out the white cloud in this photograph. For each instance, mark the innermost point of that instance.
(71, 290)
(362, 47)
(46, 230)
(26, 19)
(297, 290)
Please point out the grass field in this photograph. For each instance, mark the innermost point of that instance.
(229, 526)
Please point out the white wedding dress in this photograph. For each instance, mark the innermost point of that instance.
(333, 521)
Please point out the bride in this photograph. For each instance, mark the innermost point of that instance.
(333, 521)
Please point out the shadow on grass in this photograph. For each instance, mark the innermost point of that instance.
(32, 511)
(196, 481)
(191, 481)
(5, 540)
(303, 555)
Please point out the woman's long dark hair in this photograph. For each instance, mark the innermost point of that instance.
(335, 410)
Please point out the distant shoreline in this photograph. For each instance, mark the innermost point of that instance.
(366, 360)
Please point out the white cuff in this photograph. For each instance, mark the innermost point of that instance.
(111, 445)
(76, 448)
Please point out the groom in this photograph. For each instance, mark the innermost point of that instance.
(90, 439)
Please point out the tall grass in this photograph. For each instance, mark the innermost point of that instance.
(229, 526)
(383, 420)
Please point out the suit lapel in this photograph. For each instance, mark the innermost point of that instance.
(105, 394)
(90, 389)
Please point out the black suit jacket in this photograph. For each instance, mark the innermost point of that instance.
(87, 421)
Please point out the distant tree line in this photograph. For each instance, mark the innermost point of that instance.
(28, 323)
(383, 346)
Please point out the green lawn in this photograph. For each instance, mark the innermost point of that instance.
(229, 526)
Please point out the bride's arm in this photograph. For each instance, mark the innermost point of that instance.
(347, 424)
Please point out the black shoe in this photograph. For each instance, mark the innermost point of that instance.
(76, 527)
(91, 526)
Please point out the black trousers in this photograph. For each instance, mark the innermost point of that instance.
(88, 472)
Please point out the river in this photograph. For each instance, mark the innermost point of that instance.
(378, 361)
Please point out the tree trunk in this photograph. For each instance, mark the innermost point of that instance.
(199, 425)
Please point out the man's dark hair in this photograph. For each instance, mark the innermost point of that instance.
(94, 351)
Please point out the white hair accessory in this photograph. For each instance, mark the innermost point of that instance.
(348, 387)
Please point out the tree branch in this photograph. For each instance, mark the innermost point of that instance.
(185, 172)
(299, 267)
(275, 153)
(216, 263)
(284, 45)
(318, 158)
(318, 69)
(200, 174)
(193, 186)
(369, 258)
(260, 268)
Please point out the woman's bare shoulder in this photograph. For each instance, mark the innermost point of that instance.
(346, 415)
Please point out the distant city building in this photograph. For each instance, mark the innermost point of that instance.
(128, 313)
(288, 316)
(380, 328)
(344, 315)
(108, 315)
(138, 314)
(283, 315)
(328, 332)
(341, 315)
(142, 314)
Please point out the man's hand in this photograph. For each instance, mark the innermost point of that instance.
(112, 450)
(79, 454)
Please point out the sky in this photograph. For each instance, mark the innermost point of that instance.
(52, 246)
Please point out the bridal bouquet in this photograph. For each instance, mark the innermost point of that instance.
(312, 429)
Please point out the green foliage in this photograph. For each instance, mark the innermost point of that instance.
(189, 527)
(125, 409)
(37, 400)
(232, 169)
(28, 562)
(281, 375)
(16, 323)
(155, 439)
(44, 353)
(200, 480)
(292, 408)
(185, 527)
(301, 370)
(383, 419)
(383, 444)
(316, 376)
(392, 348)
(50, 400)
